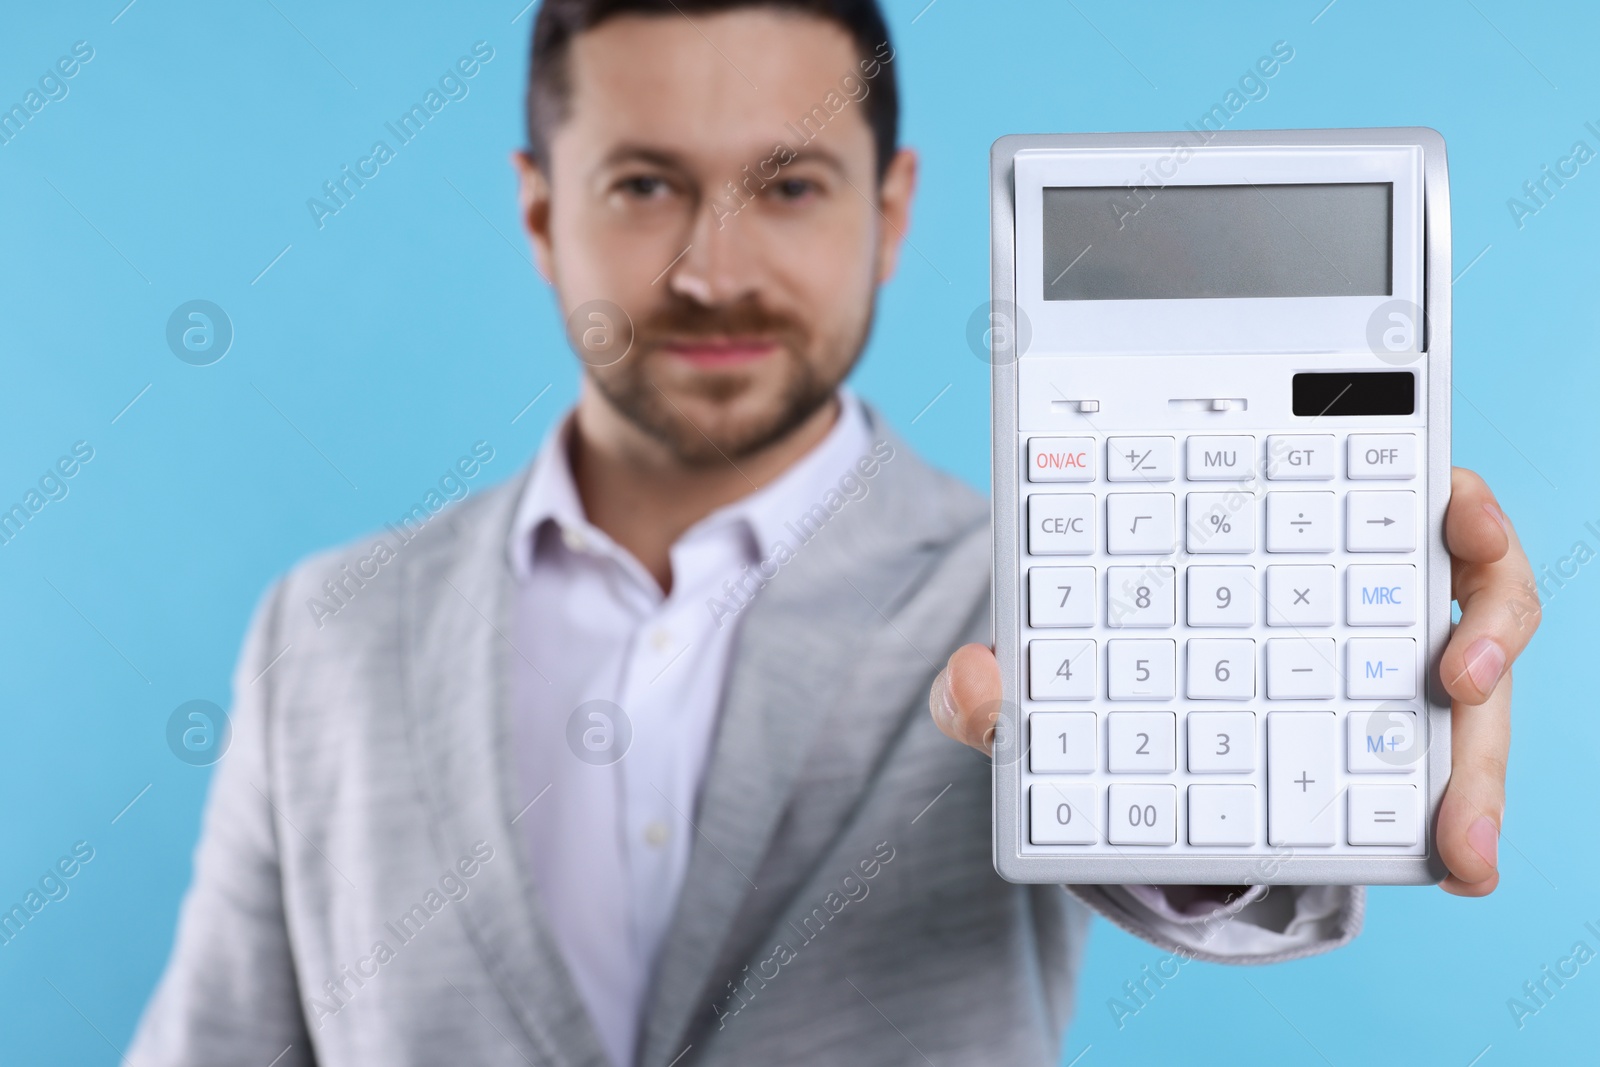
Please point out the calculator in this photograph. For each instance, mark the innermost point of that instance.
(1221, 463)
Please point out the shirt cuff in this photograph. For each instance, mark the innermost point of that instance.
(1265, 924)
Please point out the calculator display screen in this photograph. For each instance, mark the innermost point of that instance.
(1218, 241)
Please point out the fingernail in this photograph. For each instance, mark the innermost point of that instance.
(1485, 660)
(1484, 837)
(944, 696)
(1498, 516)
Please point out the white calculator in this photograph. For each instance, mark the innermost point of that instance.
(1221, 418)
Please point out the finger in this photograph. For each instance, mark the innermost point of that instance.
(1493, 583)
(1475, 529)
(965, 696)
(1474, 802)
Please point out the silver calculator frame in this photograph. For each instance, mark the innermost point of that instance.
(1285, 866)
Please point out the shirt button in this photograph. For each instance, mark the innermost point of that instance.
(574, 539)
(656, 833)
(660, 639)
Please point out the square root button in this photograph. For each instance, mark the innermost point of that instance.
(1383, 814)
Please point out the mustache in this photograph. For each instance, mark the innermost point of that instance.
(681, 319)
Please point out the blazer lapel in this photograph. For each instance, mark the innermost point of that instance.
(456, 615)
(820, 665)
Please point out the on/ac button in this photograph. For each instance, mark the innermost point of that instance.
(1061, 459)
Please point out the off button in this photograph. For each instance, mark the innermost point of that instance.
(1061, 459)
(1382, 455)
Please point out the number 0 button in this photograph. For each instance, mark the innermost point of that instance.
(1062, 814)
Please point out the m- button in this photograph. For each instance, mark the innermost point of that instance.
(1061, 459)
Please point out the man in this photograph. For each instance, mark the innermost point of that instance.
(622, 762)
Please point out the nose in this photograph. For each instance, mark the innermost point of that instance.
(721, 263)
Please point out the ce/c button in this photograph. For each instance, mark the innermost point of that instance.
(1062, 524)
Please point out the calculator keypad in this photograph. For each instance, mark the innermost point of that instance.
(1223, 641)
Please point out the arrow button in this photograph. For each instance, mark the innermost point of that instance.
(1381, 522)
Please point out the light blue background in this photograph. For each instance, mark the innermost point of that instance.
(376, 351)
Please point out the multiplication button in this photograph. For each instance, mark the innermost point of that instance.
(1061, 459)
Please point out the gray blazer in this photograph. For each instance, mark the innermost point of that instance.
(360, 895)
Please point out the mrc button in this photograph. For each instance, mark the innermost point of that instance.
(1381, 595)
(1061, 459)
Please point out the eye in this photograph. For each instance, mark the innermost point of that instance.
(793, 189)
(643, 187)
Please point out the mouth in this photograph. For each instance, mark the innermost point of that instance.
(711, 352)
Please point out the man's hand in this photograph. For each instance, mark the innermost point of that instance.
(1493, 583)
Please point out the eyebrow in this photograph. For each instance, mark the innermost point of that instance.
(669, 160)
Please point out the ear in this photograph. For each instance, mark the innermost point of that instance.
(533, 195)
(894, 201)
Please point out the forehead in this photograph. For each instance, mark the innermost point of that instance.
(732, 82)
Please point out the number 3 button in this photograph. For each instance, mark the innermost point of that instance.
(1221, 742)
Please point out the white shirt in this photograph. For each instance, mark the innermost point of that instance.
(607, 824)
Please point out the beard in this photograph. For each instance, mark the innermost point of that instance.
(742, 409)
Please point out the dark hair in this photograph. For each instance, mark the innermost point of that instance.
(559, 21)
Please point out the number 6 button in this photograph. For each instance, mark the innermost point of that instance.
(1221, 669)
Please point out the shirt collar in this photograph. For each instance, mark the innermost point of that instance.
(550, 495)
